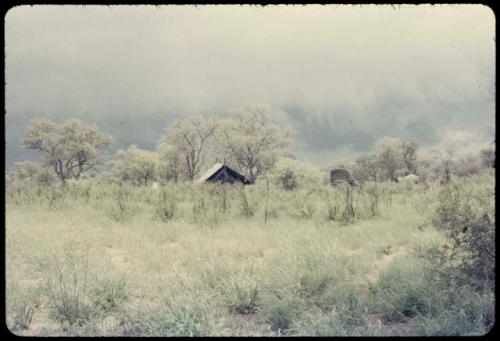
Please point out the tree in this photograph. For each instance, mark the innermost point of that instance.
(290, 174)
(70, 148)
(136, 166)
(409, 154)
(367, 168)
(446, 163)
(189, 138)
(30, 173)
(487, 156)
(170, 166)
(252, 141)
(389, 156)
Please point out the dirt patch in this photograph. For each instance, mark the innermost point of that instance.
(41, 322)
(248, 325)
(118, 257)
(110, 325)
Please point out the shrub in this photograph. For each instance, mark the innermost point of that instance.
(122, 209)
(461, 312)
(280, 318)
(109, 293)
(467, 217)
(248, 203)
(69, 295)
(290, 174)
(166, 205)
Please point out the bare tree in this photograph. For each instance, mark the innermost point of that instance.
(189, 138)
(446, 163)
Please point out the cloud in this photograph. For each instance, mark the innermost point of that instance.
(342, 75)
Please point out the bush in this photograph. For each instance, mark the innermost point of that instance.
(68, 289)
(290, 174)
(109, 293)
(122, 209)
(280, 318)
(461, 312)
(77, 295)
(466, 215)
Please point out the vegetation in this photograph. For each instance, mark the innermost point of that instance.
(141, 250)
(203, 269)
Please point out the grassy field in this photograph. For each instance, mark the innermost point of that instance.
(219, 260)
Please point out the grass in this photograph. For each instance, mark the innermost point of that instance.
(212, 264)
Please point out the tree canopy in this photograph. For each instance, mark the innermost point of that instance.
(70, 148)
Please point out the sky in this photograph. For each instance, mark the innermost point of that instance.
(340, 75)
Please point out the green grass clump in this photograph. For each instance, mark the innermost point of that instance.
(24, 316)
(243, 297)
(280, 318)
(109, 294)
(402, 292)
(183, 321)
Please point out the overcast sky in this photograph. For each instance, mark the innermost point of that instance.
(341, 75)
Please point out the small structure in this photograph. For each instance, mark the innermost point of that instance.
(339, 176)
(223, 173)
(410, 178)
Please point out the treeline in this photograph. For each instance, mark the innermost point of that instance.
(249, 141)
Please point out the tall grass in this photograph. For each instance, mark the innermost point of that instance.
(204, 260)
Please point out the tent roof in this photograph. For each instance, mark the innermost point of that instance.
(216, 168)
(210, 172)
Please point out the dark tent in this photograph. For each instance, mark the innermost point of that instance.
(223, 173)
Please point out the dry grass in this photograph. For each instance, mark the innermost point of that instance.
(178, 263)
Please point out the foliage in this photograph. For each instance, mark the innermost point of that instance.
(109, 294)
(28, 173)
(185, 142)
(122, 208)
(252, 141)
(183, 321)
(170, 163)
(70, 148)
(166, 206)
(135, 166)
(280, 318)
(466, 214)
(69, 290)
(290, 174)
(24, 316)
(297, 274)
(389, 156)
(242, 295)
